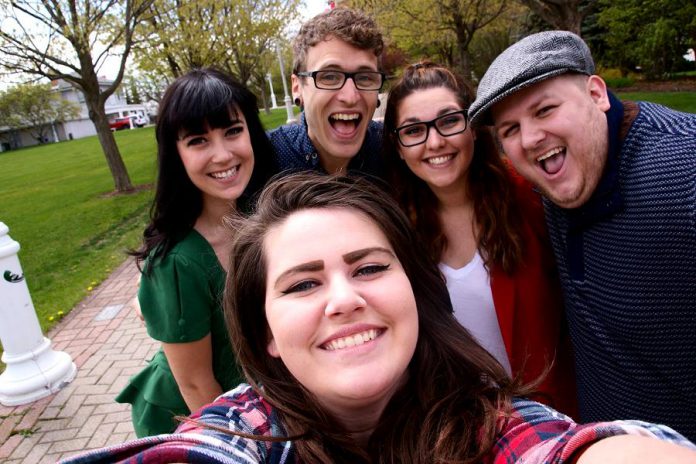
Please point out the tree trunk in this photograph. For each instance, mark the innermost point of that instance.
(122, 182)
(565, 14)
(465, 58)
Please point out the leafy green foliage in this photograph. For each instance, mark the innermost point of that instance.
(651, 35)
(440, 30)
(235, 35)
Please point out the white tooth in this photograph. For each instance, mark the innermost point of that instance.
(224, 174)
(549, 154)
(345, 117)
(437, 160)
(353, 340)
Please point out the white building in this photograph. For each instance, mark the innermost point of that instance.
(81, 126)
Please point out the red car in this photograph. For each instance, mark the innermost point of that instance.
(119, 124)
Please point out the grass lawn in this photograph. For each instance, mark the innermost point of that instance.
(55, 200)
(277, 117)
(681, 101)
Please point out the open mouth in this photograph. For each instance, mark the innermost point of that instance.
(221, 175)
(552, 161)
(345, 123)
(352, 340)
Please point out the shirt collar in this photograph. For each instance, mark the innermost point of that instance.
(311, 154)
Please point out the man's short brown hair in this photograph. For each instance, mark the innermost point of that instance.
(352, 26)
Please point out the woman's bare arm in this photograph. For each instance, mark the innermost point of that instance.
(192, 366)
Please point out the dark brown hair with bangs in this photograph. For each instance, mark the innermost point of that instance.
(199, 100)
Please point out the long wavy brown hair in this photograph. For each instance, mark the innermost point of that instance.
(488, 180)
(448, 409)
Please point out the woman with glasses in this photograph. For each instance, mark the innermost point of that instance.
(483, 224)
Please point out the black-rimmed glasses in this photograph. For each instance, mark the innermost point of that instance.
(446, 125)
(334, 80)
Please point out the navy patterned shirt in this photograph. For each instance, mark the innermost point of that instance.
(295, 152)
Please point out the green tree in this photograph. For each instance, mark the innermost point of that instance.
(132, 91)
(59, 39)
(441, 29)
(653, 35)
(36, 107)
(235, 35)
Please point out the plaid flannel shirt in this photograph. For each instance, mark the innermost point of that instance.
(532, 433)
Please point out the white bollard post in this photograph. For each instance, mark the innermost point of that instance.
(33, 370)
(274, 103)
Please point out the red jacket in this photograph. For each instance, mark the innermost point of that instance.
(529, 306)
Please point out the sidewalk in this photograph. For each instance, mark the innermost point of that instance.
(109, 344)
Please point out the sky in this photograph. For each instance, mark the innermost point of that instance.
(314, 7)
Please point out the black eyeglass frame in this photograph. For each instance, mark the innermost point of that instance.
(428, 125)
(346, 76)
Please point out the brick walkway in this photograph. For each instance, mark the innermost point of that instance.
(109, 344)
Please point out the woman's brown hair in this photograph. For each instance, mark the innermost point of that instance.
(488, 179)
(447, 410)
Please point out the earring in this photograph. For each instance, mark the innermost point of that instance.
(379, 102)
(298, 101)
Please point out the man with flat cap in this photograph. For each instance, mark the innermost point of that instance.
(619, 186)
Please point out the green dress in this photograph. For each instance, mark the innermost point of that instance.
(180, 298)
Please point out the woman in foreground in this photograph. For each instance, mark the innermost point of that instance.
(483, 224)
(346, 333)
(211, 150)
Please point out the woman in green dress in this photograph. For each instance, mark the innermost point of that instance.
(213, 155)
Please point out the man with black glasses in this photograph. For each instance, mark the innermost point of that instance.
(336, 81)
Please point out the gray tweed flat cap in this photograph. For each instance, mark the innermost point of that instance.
(532, 59)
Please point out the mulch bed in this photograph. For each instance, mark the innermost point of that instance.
(676, 85)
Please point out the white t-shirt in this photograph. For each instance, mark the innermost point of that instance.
(470, 291)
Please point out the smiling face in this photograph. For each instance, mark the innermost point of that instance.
(555, 134)
(442, 162)
(219, 161)
(341, 312)
(337, 120)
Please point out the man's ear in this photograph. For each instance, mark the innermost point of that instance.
(296, 87)
(597, 89)
(272, 348)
